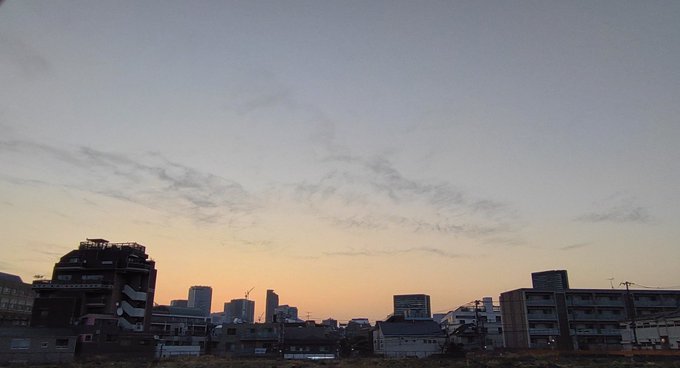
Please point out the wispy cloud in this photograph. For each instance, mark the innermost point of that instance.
(392, 252)
(574, 246)
(375, 195)
(617, 209)
(22, 57)
(150, 180)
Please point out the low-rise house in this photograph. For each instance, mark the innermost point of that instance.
(399, 338)
(248, 339)
(654, 332)
(310, 341)
(37, 345)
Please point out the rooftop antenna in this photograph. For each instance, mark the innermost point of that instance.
(611, 282)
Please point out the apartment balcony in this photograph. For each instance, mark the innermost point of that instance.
(595, 332)
(669, 303)
(67, 285)
(609, 303)
(540, 302)
(541, 316)
(596, 317)
(544, 331)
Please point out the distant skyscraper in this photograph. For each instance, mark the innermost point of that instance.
(412, 306)
(201, 297)
(272, 303)
(241, 309)
(286, 313)
(182, 303)
(556, 280)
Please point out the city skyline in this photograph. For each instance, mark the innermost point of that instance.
(341, 153)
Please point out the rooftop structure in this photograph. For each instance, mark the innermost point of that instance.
(412, 306)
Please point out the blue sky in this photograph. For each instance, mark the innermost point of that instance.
(418, 142)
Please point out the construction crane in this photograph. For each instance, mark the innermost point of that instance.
(259, 319)
(248, 292)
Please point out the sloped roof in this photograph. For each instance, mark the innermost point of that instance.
(10, 278)
(410, 328)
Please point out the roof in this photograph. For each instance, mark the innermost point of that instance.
(307, 333)
(410, 328)
(36, 332)
(10, 278)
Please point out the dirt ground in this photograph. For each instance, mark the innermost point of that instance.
(496, 361)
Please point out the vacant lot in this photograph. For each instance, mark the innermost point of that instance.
(504, 361)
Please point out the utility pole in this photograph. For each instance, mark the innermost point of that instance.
(631, 312)
(478, 331)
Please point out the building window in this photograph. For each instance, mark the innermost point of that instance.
(43, 345)
(20, 344)
(92, 277)
(73, 260)
(64, 277)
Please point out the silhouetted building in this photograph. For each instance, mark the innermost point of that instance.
(31, 346)
(577, 318)
(412, 306)
(271, 304)
(200, 297)
(556, 280)
(182, 303)
(16, 301)
(239, 310)
(178, 329)
(240, 340)
(401, 338)
(330, 323)
(287, 314)
(475, 326)
(310, 341)
(660, 331)
(98, 281)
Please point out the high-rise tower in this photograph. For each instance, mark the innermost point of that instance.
(272, 303)
(201, 297)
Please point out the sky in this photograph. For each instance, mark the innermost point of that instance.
(341, 152)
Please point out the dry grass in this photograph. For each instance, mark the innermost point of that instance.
(483, 361)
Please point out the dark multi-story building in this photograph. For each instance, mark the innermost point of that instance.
(271, 303)
(241, 310)
(182, 303)
(200, 297)
(412, 306)
(550, 280)
(570, 319)
(258, 339)
(16, 301)
(98, 281)
(178, 328)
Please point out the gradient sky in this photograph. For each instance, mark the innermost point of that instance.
(341, 152)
